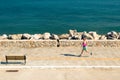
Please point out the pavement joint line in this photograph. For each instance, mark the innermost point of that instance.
(55, 67)
(73, 58)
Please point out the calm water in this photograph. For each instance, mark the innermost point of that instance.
(58, 16)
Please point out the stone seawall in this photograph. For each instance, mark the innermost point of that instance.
(28, 43)
(91, 43)
(54, 43)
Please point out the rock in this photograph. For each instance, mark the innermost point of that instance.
(64, 36)
(4, 37)
(112, 35)
(46, 36)
(26, 36)
(15, 37)
(36, 37)
(118, 35)
(79, 35)
(103, 37)
(76, 37)
(55, 37)
(72, 33)
(94, 35)
(88, 36)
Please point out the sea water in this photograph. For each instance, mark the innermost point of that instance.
(58, 16)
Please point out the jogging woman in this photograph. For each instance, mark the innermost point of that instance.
(84, 45)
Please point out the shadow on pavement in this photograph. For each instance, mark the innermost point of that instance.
(11, 62)
(73, 55)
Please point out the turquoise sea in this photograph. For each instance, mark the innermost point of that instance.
(58, 16)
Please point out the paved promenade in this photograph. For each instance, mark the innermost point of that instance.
(65, 56)
(62, 63)
(60, 74)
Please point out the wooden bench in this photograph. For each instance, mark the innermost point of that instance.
(15, 58)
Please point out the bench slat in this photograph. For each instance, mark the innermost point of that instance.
(16, 58)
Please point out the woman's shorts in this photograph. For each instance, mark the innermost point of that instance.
(84, 48)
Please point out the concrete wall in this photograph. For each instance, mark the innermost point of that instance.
(28, 43)
(54, 43)
(91, 43)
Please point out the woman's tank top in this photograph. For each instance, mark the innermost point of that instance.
(84, 44)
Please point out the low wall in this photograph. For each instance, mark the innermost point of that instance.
(91, 43)
(54, 43)
(28, 43)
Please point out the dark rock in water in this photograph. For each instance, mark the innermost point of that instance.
(86, 35)
(74, 35)
(54, 37)
(112, 35)
(75, 38)
(26, 36)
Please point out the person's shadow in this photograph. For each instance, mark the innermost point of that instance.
(73, 55)
(70, 55)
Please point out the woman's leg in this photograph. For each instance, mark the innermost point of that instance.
(81, 53)
(87, 51)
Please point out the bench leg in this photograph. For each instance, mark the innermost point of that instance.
(25, 61)
(6, 61)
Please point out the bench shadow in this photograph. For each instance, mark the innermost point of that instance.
(12, 63)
